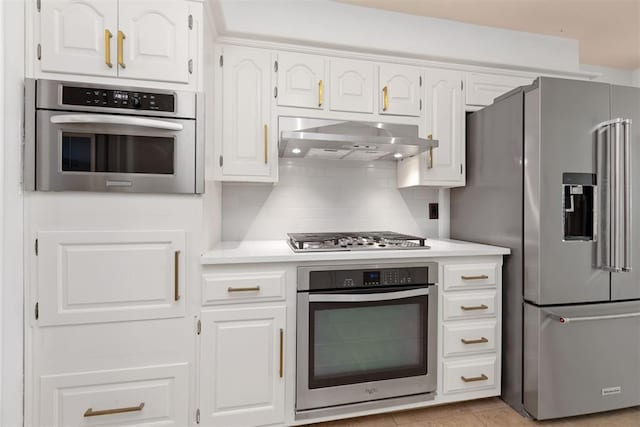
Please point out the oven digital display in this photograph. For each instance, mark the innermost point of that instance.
(372, 277)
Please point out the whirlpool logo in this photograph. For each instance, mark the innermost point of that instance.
(371, 390)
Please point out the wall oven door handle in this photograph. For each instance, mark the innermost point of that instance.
(104, 119)
(377, 296)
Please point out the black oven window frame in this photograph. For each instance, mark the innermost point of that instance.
(421, 369)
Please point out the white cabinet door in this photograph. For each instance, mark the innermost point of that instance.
(242, 371)
(351, 84)
(78, 36)
(156, 40)
(247, 148)
(445, 113)
(400, 91)
(482, 89)
(301, 81)
(103, 276)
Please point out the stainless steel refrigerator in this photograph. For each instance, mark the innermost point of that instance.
(553, 172)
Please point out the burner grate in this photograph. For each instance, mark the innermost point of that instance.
(347, 241)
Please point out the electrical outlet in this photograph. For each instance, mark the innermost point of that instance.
(433, 211)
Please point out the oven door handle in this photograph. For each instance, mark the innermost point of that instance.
(116, 120)
(377, 296)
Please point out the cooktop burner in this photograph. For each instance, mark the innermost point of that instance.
(354, 241)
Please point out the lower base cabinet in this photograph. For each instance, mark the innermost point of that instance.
(242, 366)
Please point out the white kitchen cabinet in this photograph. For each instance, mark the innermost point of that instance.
(301, 80)
(156, 40)
(482, 89)
(249, 151)
(400, 90)
(351, 85)
(143, 40)
(78, 36)
(242, 366)
(102, 276)
(442, 166)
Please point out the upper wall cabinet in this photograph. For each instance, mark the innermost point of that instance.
(482, 89)
(301, 80)
(144, 40)
(400, 91)
(351, 86)
(249, 150)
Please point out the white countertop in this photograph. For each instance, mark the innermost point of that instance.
(258, 251)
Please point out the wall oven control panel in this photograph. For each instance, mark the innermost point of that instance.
(366, 278)
(121, 99)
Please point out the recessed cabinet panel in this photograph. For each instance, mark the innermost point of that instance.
(301, 81)
(399, 90)
(242, 366)
(445, 122)
(156, 40)
(79, 36)
(142, 396)
(87, 277)
(247, 147)
(351, 86)
(482, 89)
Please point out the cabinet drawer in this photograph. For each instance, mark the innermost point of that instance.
(471, 374)
(108, 276)
(466, 338)
(468, 276)
(141, 396)
(469, 305)
(229, 288)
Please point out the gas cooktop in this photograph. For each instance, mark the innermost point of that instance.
(354, 241)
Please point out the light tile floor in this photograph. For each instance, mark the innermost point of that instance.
(484, 413)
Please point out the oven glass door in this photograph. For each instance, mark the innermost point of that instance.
(104, 152)
(356, 338)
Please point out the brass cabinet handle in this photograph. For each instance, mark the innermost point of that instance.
(91, 413)
(474, 307)
(478, 341)
(252, 289)
(320, 93)
(430, 160)
(482, 377)
(176, 276)
(385, 98)
(107, 48)
(121, 38)
(266, 144)
(480, 277)
(281, 352)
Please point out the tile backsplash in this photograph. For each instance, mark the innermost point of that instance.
(321, 195)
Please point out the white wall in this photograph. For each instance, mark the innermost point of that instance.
(11, 311)
(617, 76)
(331, 24)
(316, 195)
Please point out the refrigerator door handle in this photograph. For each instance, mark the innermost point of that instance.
(627, 222)
(569, 319)
(605, 244)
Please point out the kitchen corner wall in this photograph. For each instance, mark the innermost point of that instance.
(320, 195)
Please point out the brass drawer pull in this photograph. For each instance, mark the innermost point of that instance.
(480, 277)
(482, 377)
(385, 98)
(281, 353)
(252, 289)
(107, 48)
(176, 276)
(320, 93)
(478, 341)
(91, 413)
(430, 158)
(474, 307)
(121, 38)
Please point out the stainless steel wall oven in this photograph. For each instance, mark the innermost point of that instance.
(366, 337)
(94, 137)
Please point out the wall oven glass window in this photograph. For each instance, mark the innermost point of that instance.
(88, 138)
(365, 335)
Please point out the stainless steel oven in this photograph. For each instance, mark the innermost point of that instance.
(91, 137)
(366, 337)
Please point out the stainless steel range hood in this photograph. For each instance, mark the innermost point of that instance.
(349, 140)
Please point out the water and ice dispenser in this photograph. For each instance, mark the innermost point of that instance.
(579, 207)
